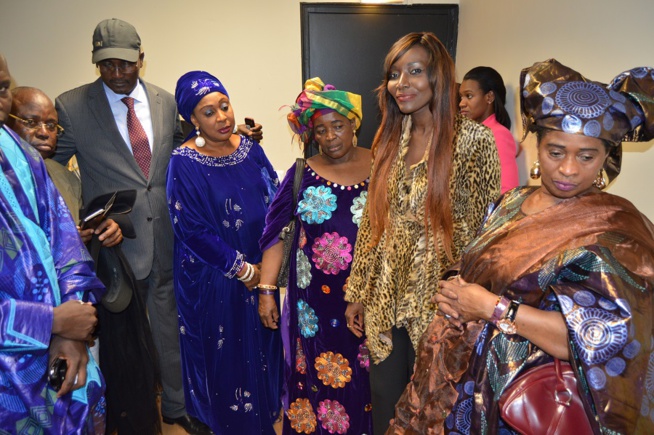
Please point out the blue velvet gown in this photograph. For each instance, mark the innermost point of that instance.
(231, 363)
(327, 390)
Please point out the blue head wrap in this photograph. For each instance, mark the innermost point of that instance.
(192, 87)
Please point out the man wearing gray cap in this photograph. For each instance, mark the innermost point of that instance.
(122, 131)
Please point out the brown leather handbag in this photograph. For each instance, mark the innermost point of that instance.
(545, 400)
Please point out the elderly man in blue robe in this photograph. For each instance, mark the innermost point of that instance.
(47, 288)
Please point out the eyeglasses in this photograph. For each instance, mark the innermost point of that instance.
(124, 67)
(31, 124)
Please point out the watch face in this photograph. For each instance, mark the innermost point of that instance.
(507, 326)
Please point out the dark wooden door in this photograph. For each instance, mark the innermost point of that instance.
(345, 45)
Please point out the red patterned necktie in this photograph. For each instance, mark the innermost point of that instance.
(138, 138)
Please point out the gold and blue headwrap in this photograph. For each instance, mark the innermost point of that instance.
(317, 99)
(556, 97)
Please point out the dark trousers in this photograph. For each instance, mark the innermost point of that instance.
(389, 378)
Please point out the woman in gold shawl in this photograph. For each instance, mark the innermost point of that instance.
(562, 271)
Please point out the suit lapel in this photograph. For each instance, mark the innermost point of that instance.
(99, 106)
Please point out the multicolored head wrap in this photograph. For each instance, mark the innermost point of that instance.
(559, 98)
(192, 87)
(318, 99)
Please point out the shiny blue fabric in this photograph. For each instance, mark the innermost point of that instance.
(28, 295)
(192, 87)
(231, 363)
(317, 342)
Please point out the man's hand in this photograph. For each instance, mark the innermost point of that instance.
(255, 133)
(76, 356)
(109, 233)
(75, 320)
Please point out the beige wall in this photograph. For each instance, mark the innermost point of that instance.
(253, 46)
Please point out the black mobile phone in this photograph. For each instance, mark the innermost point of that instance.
(57, 373)
(249, 122)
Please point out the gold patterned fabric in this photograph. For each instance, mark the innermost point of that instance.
(396, 279)
(590, 257)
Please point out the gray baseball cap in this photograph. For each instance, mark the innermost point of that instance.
(115, 39)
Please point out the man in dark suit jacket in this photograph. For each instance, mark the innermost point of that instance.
(94, 117)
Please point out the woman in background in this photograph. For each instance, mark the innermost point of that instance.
(326, 377)
(483, 97)
(561, 271)
(219, 187)
(434, 175)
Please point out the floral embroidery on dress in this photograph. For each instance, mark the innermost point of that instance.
(301, 416)
(302, 240)
(364, 355)
(333, 416)
(307, 319)
(230, 160)
(317, 205)
(332, 253)
(358, 204)
(333, 369)
(300, 359)
(234, 213)
(303, 269)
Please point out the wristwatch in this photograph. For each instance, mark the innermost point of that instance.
(507, 323)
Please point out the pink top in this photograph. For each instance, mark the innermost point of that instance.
(506, 149)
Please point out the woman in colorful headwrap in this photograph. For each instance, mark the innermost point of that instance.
(326, 374)
(562, 271)
(433, 176)
(219, 188)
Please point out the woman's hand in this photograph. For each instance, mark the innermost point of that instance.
(268, 311)
(75, 320)
(256, 275)
(461, 302)
(76, 356)
(354, 318)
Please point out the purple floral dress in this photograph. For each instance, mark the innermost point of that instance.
(326, 373)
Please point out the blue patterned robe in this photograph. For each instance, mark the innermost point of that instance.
(43, 264)
(231, 363)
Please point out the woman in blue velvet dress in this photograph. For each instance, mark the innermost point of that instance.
(326, 372)
(219, 188)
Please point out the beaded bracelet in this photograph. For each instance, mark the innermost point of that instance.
(268, 286)
(266, 292)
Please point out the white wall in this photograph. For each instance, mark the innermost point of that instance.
(599, 38)
(254, 47)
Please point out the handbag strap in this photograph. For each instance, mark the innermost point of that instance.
(299, 167)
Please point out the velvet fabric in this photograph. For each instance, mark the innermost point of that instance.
(327, 389)
(231, 363)
(192, 87)
(31, 205)
(591, 258)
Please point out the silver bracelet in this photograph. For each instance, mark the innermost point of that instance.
(249, 273)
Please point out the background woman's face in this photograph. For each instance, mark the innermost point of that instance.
(408, 81)
(569, 163)
(333, 133)
(475, 104)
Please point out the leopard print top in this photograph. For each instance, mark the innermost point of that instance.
(396, 279)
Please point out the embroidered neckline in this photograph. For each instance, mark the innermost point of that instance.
(330, 183)
(230, 160)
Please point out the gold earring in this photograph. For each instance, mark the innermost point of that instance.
(320, 149)
(534, 172)
(354, 139)
(600, 181)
